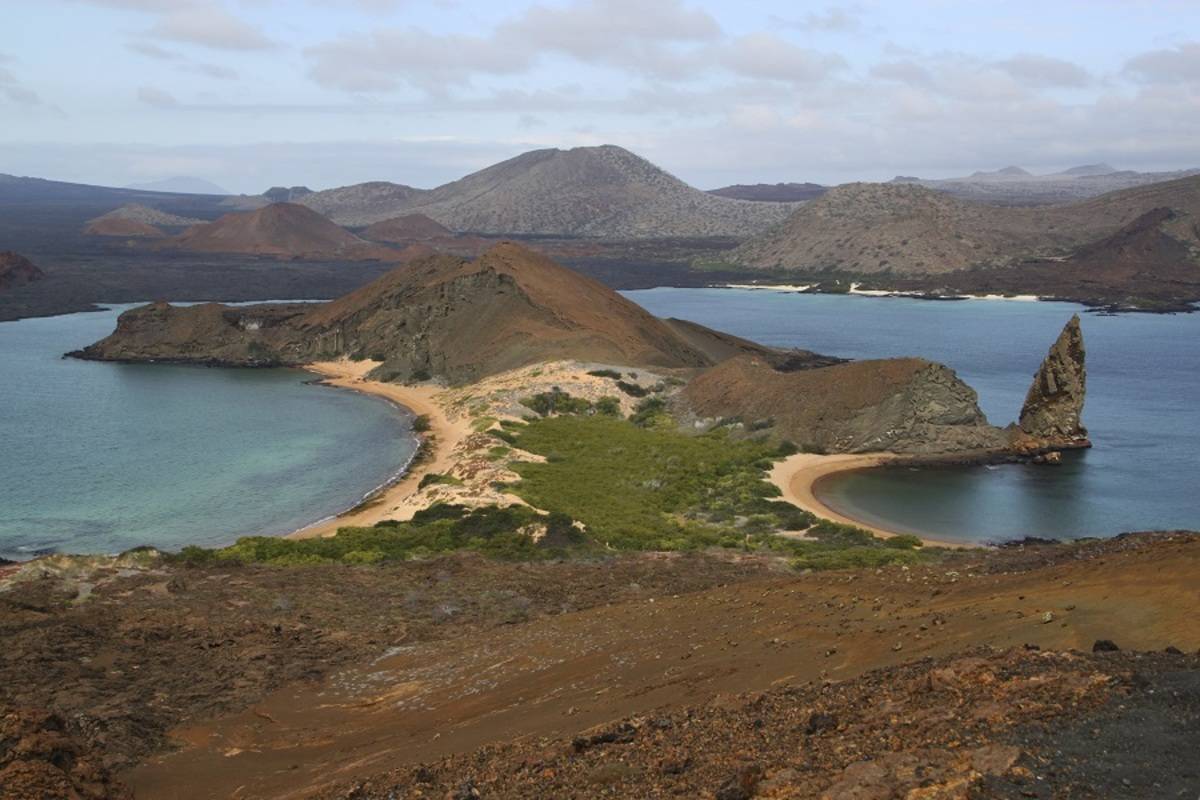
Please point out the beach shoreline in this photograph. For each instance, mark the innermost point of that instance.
(797, 478)
(393, 500)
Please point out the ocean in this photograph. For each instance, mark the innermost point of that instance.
(98, 457)
(1142, 410)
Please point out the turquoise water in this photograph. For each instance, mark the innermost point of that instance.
(1143, 407)
(102, 457)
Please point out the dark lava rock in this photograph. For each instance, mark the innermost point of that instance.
(1105, 646)
(1053, 406)
(820, 722)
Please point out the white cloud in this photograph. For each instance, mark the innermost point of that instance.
(832, 20)
(1180, 63)
(1043, 71)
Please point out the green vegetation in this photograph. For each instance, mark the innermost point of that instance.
(632, 389)
(636, 487)
(605, 373)
(433, 478)
(493, 531)
(421, 423)
(556, 401)
(607, 483)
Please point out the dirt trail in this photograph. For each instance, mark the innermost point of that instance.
(559, 675)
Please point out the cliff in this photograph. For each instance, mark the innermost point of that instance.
(901, 405)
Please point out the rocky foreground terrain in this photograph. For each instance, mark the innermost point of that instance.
(972, 676)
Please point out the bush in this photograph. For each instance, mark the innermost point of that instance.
(421, 423)
(649, 412)
(631, 389)
(903, 542)
(434, 478)
(556, 401)
(605, 373)
(607, 407)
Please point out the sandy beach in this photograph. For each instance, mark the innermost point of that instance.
(444, 435)
(797, 475)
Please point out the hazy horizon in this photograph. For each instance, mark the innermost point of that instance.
(253, 93)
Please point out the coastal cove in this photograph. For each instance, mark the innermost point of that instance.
(1143, 376)
(103, 457)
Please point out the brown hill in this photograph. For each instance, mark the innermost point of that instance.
(16, 270)
(122, 227)
(286, 230)
(602, 192)
(406, 228)
(902, 405)
(904, 229)
(440, 317)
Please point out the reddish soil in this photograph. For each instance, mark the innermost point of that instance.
(626, 677)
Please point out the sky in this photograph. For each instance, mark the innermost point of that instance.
(254, 93)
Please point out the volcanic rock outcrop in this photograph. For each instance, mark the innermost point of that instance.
(440, 317)
(901, 405)
(285, 230)
(1054, 404)
(16, 270)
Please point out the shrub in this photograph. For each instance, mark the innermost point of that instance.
(607, 407)
(632, 389)
(605, 373)
(421, 423)
(903, 542)
(649, 412)
(434, 478)
(556, 401)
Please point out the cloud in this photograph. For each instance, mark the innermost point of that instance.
(832, 20)
(1045, 72)
(156, 98)
(1179, 63)
(389, 58)
(209, 26)
(764, 55)
(213, 71)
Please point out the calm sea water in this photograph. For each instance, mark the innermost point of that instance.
(102, 457)
(1143, 407)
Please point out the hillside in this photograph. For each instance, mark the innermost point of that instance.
(903, 229)
(16, 270)
(362, 203)
(285, 230)
(900, 405)
(406, 228)
(441, 317)
(602, 192)
(772, 192)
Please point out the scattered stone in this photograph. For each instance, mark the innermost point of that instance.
(1047, 618)
(820, 722)
(741, 785)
